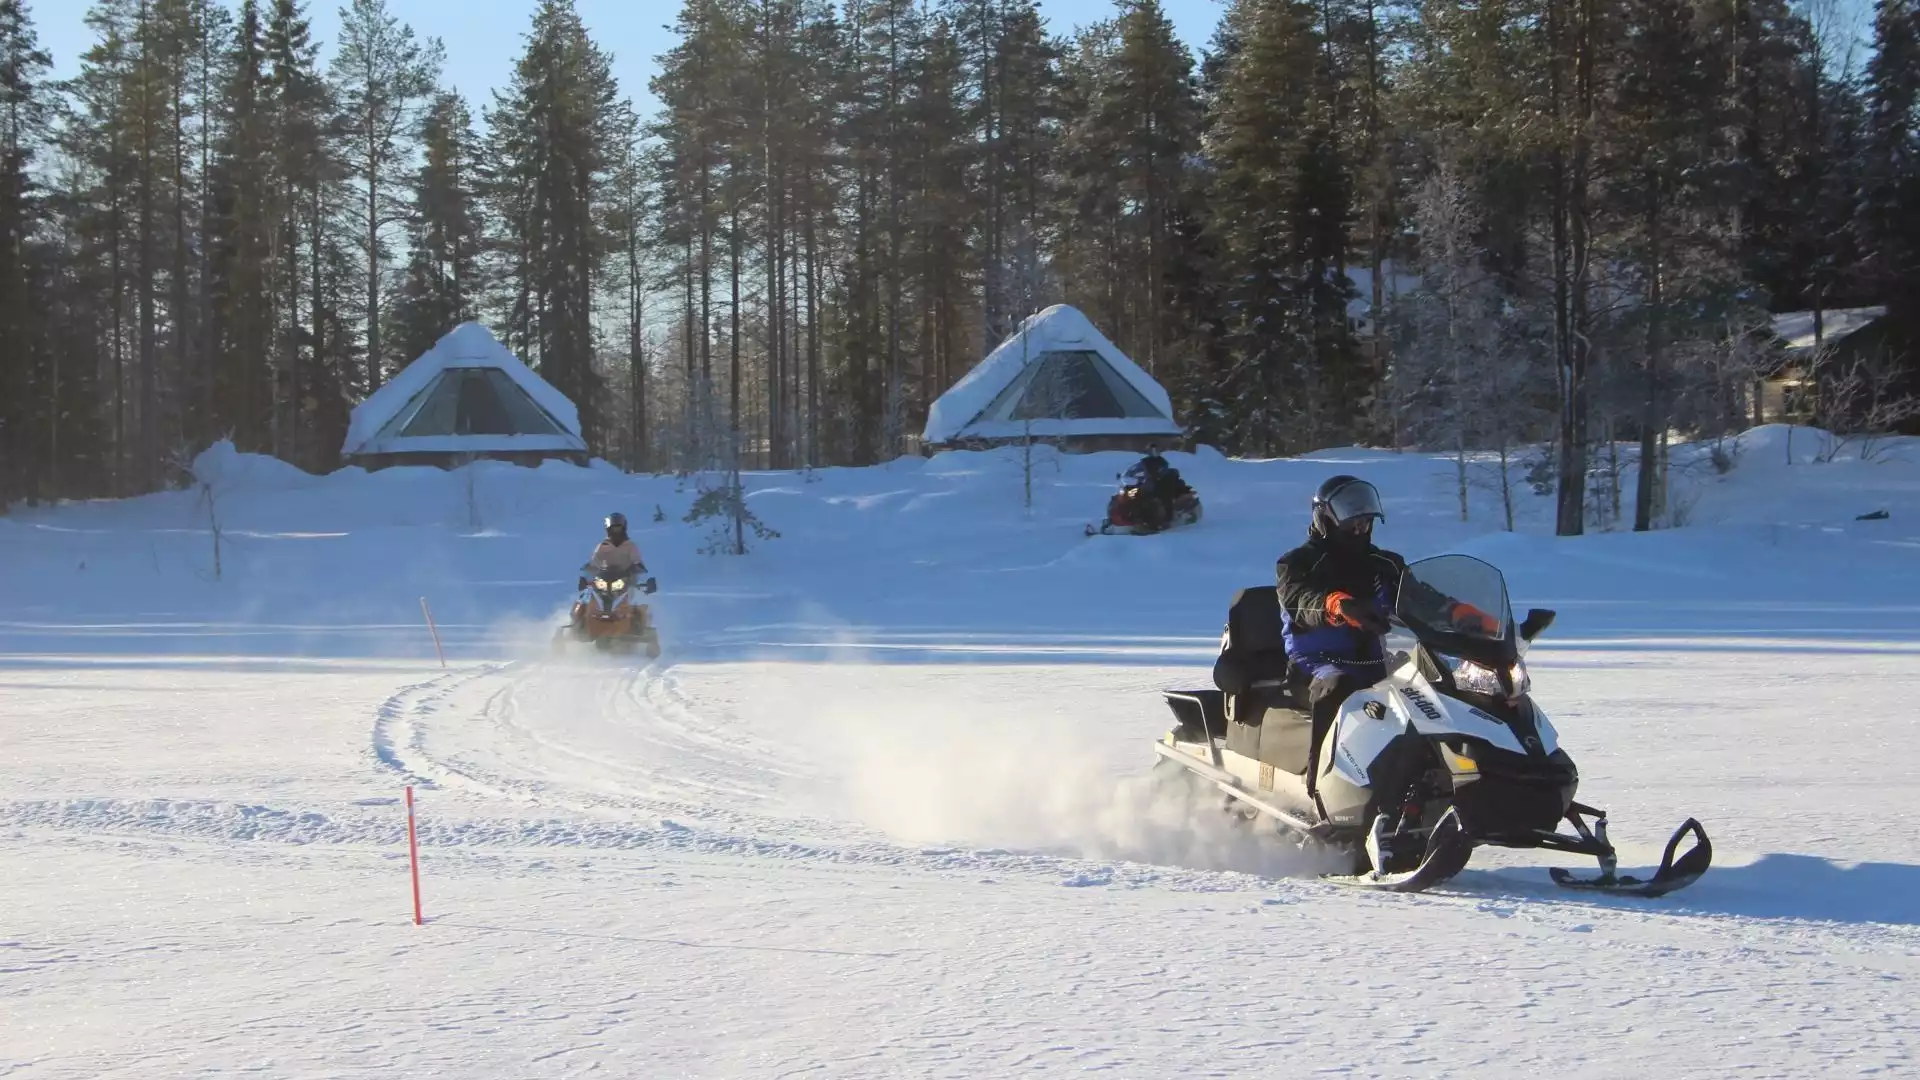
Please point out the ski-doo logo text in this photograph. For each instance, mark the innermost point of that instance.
(1426, 707)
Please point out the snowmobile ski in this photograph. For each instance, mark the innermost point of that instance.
(1673, 873)
(1449, 847)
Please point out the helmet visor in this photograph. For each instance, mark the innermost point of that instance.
(1355, 501)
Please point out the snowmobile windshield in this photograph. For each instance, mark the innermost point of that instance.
(1355, 500)
(1459, 600)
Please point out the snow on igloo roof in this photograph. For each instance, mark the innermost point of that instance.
(1059, 372)
(468, 392)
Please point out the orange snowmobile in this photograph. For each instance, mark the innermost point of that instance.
(607, 613)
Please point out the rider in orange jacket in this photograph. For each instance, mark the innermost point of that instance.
(617, 554)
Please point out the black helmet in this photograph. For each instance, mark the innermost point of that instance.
(1345, 499)
(616, 522)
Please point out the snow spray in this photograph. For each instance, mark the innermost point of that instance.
(413, 856)
(435, 631)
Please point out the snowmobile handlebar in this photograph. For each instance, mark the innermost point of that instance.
(650, 585)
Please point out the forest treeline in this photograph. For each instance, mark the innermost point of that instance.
(1443, 224)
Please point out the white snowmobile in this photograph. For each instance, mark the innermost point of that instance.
(1447, 751)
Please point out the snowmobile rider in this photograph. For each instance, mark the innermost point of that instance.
(1335, 593)
(616, 553)
(1156, 477)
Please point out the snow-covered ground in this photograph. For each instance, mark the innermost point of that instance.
(883, 808)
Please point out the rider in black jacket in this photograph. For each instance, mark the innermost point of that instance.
(1335, 592)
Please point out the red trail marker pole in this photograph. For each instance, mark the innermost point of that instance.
(434, 630)
(413, 857)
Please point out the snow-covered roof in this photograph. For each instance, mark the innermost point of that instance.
(1059, 373)
(468, 393)
(1795, 328)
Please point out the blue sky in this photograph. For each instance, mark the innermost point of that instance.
(483, 37)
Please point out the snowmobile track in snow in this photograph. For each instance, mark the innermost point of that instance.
(396, 732)
(590, 739)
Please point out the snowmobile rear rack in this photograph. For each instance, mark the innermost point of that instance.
(1231, 787)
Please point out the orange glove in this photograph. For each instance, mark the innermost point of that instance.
(1343, 609)
(1468, 617)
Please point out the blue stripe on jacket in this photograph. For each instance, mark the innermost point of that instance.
(1332, 649)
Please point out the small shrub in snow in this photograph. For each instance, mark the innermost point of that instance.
(1860, 407)
(1494, 474)
(1542, 472)
(658, 513)
(205, 471)
(725, 508)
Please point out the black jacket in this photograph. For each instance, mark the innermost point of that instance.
(1306, 575)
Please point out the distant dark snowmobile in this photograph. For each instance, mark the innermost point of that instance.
(1149, 500)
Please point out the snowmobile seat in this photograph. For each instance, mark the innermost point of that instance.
(1264, 720)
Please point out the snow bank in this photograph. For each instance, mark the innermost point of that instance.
(225, 469)
(944, 546)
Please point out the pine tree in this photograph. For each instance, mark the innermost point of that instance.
(550, 133)
(441, 286)
(240, 235)
(1281, 202)
(1656, 149)
(823, 88)
(305, 172)
(1455, 373)
(940, 214)
(887, 36)
(209, 27)
(24, 389)
(1128, 152)
(693, 90)
(1890, 199)
(1013, 110)
(627, 220)
(1763, 65)
(383, 80)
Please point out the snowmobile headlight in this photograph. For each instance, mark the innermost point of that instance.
(620, 584)
(1481, 679)
(600, 583)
